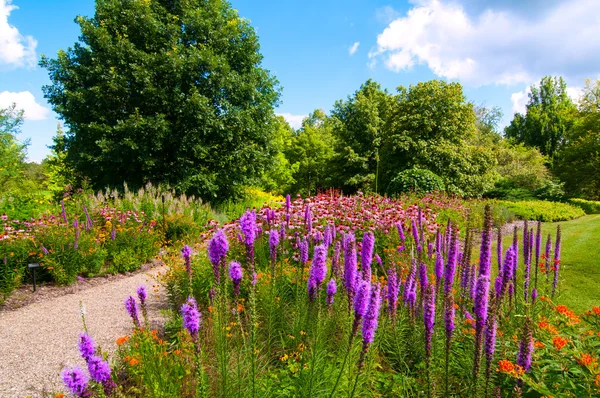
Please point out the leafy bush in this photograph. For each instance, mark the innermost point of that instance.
(420, 180)
(589, 206)
(541, 210)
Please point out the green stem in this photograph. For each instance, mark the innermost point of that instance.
(355, 384)
(337, 381)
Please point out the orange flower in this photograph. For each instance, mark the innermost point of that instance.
(559, 342)
(596, 310)
(543, 325)
(132, 360)
(122, 340)
(597, 381)
(177, 352)
(505, 366)
(539, 344)
(563, 309)
(240, 308)
(585, 360)
(61, 395)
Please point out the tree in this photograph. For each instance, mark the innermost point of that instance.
(12, 152)
(165, 91)
(280, 176)
(59, 173)
(550, 114)
(311, 153)
(578, 164)
(359, 127)
(432, 127)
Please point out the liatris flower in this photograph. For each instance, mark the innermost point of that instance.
(485, 256)
(288, 203)
(507, 270)
(499, 248)
(415, 233)
(439, 259)
(423, 280)
(45, 250)
(308, 219)
(392, 291)
(86, 346)
(217, 251)
(556, 259)
(515, 246)
(378, 259)
(526, 346)
(318, 238)
(429, 318)
(538, 248)
(335, 260)
(248, 227)
(400, 231)
(64, 212)
(99, 369)
(481, 308)
(282, 233)
(131, 307)
(350, 261)
(141, 292)
(327, 236)
(113, 233)
(429, 250)
(191, 317)
(361, 304)
(534, 295)
(449, 315)
(370, 323)
(273, 243)
(490, 344)
(77, 232)
(236, 274)
(186, 253)
(317, 272)
(88, 220)
(254, 279)
(331, 290)
(366, 255)
(333, 233)
(547, 254)
(498, 286)
(76, 381)
(303, 247)
(451, 266)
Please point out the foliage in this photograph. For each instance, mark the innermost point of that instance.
(589, 206)
(280, 177)
(541, 210)
(578, 164)
(169, 92)
(520, 167)
(550, 114)
(59, 173)
(415, 179)
(252, 198)
(431, 128)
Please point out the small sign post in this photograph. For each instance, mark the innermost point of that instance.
(33, 268)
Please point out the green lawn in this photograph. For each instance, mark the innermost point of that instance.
(579, 283)
(580, 262)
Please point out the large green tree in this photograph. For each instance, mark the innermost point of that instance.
(168, 91)
(359, 125)
(12, 152)
(550, 114)
(578, 164)
(433, 127)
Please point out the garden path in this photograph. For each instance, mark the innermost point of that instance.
(39, 340)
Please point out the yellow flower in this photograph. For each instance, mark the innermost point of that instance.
(284, 358)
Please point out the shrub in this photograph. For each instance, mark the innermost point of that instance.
(589, 206)
(541, 210)
(420, 180)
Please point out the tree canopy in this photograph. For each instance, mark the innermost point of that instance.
(165, 91)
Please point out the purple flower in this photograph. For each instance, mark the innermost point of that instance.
(538, 244)
(77, 232)
(556, 259)
(392, 291)
(141, 292)
(331, 290)
(99, 369)
(526, 346)
(248, 227)
(449, 315)
(236, 274)
(527, 259)
(288, 203)
(191, 317)
(534, 295)
(481, 308)
(254, 279)
(350, 261)
(86, 346)
(423, 280)
(88, 220)
(415, 233)
(499, 248)
(378, 259)
(361, 301)
(45, 250)
(508, 269)
(548, 250)
(429, 317)
(429, 250)
(439, 258)
(64, 212)
(450, 271)
(282, 232)
(131, 307)
(273, 243)
(186, 253)
(485, 256)
(303, 246)
(366, 255)
(369, 325)
(217, 251)
(308, 219)
(318, 271)
(113, 233)
(490, 342)
(76, 381)
(335, 260)
(400, 231)
(327, 235)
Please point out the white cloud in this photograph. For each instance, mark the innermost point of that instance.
(15, 49)
(26, 101)
(353, 48)
(386, 14)
(494, 47)
(294, 120)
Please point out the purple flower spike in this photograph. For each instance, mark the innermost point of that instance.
(64, 212)
(331, 291)
(288, 203)
(400, 232)
(526, 346)
(370, 319)
(248, 227)
(191, 317)
(317, 272)
(429, 317)
(450, 270)
(308, 219)
(217, 251)
(303, 247)
(485, 256)
(236, 274)
(141, 292)
(335, 260)
(415, 233)
(273, 243)
(186, 253)
(86, 346)
(423, 279)
(366, 255)
(556, 265)
(548, 251)
(392, 291)
(76, 381)
(99, 369)
(131, 307)
(378, 259)
(350, 261)
(361, 301)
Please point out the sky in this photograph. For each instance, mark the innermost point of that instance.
(322, 51)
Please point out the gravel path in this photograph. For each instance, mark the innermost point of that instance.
(39, 340)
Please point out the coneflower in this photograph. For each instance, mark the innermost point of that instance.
(317, 272)
(217, 251)
(366, 255)
(392, 291)
(236, 274)
(556, 266)
(331, 290)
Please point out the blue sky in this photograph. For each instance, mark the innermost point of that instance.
(322, 51)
